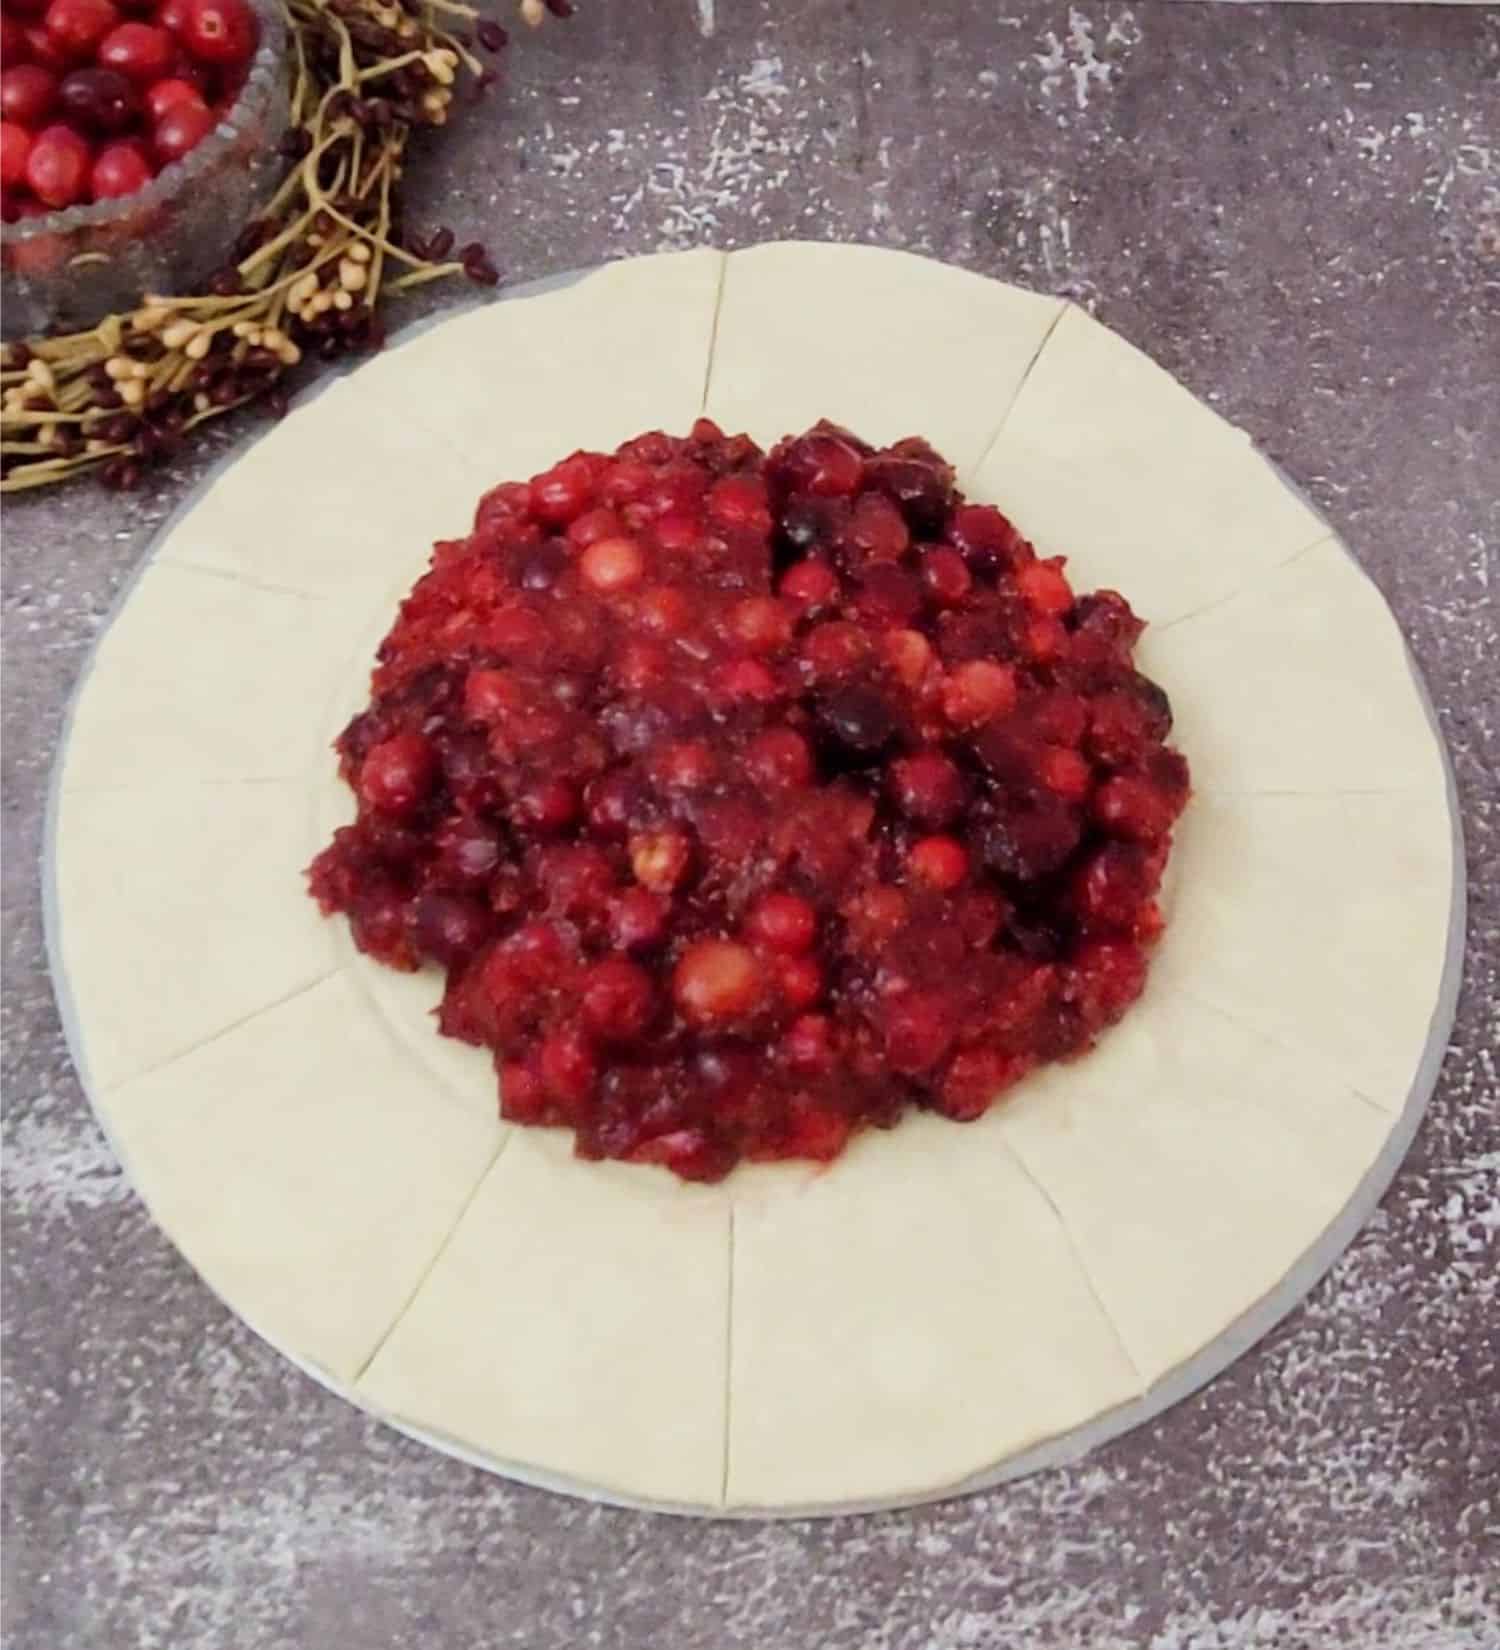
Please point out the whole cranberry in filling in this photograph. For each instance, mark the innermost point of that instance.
(717, 982)
(748, 800)
(398, 773)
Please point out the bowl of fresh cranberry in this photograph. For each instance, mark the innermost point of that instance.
(136, 139)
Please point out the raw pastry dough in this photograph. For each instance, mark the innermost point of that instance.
(150, 977)
(941, 1306)
(590, 364)
(1108, 460)
(905, 1319)
(580, 1334)
(309, 1188)
(809, 330)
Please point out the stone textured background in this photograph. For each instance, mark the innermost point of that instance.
(1298, 211)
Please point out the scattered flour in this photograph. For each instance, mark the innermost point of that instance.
(1075, 57)
(56, 1161)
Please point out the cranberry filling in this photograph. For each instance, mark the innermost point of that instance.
(747, 800)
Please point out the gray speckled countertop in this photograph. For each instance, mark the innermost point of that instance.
(1295, 209)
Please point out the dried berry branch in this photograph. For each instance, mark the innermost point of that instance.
(306, 278)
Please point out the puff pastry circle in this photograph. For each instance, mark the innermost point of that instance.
(945, 1305)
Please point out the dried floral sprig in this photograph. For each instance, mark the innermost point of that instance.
(307, 277)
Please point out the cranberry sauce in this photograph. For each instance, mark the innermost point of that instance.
(748, 800)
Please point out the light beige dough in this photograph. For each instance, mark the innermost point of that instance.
(898, 1328)
(576, 1334)
(886, 343)
(942, 1297)
(514, 387)
(1108, 460)
(329, 502)
(302, 1171)
(184, 923)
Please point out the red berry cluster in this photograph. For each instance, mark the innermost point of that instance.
(748, 800)
(97, 96)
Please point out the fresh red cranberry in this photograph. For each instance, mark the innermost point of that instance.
(398, 773)
(717, 981)
(1033, 841)
(138, 50)
(886, 595)
(625, 481)
(928, 788)
(824, 465)
(618, 1000)
(1060, 717)
(746, 679)
(739, 501)
(800, 981)
(222, 32)
(1065, 772)
(57, 166)
(817, 1131)
(610, 565)
(909, 654)
(523, 1094)
(686, 765)
(504, 506)
(181, 129)
(27, 94)
(986, 540)
(119, 169)
(920, 484)
(760, 624)
(859, 722)
(946, 576)
(1045, 641)
(979, 691)
(834, 650)
(638, 919)
(1104, 618)
(469, 851)
(784, 922)
(491, 695)
(975, 1079)
(546, 806)
(810, 584)
(15, 151)
(980, 914)
(1167, 771)
(779, 759)
(663, 612)
(918, 1031)
(578, 879)
(563, 492)
(77, 26)
(1111, 888)
(99, 101)
(679, 531)
(875, 916)
(1106, 978)
(12, 40)
(450, 928)
(594, 525)
(878, 529)
(569, 1067)
(1130, 806)
(1045, 587)
(379, 922)
(939, 861)
(691, 1154)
